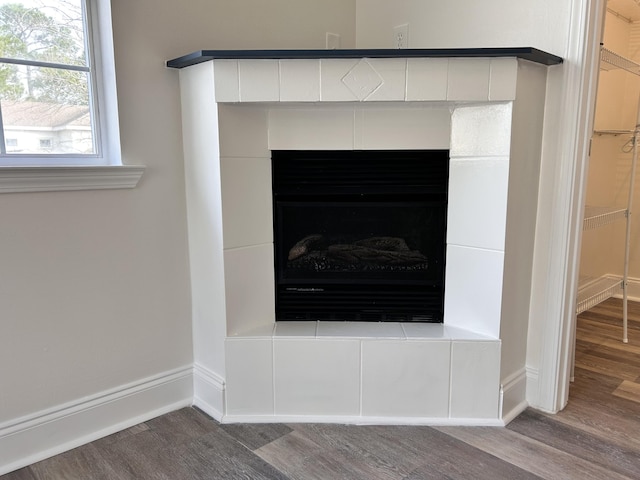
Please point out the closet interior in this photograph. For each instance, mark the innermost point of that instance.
(610, 257)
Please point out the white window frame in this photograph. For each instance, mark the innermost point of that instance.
(104, 170)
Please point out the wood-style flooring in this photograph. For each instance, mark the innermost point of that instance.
(597, 436)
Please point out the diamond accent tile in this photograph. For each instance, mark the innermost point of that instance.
(362, 80)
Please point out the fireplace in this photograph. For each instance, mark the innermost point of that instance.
(360, 235)
(486, 112)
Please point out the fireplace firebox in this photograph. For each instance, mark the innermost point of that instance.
(360, 235)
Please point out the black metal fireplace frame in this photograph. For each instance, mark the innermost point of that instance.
(361, 178)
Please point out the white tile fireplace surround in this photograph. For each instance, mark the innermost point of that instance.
(469, 370)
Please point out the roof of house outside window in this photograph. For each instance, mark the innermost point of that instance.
(46, 115)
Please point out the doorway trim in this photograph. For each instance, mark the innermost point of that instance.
(569, 123)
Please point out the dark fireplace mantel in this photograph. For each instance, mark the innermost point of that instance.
(525, 53)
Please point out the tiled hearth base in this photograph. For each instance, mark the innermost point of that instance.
(362, 373)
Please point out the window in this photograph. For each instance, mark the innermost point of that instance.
(57, 93)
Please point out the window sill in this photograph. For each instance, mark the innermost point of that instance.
(55, 179)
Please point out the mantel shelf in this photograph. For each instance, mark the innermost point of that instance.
(525, 53)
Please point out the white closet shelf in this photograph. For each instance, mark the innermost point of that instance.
(592, 291)
(595, 217)
(613, 61)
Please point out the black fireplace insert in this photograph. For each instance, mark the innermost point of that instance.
(360, 235)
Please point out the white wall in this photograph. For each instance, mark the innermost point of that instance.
(94, 285)
(461, 23)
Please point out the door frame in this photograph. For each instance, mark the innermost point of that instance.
(570, 108)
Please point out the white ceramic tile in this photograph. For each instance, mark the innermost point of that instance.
(473, 289)
(435, 331)
(362, 80)
(477, 208)
(405, 378)
(317, 377)
(246, 201)
(249, 288)
(455, 333)
(405, 128)
(468, 79)
(360, 329)
(393, 72)
(261, 331)
(502, 80)
(427, 78)
(249, 376)
(243, 131)
(311, 129)
(295, 329)
(475, 379)
(225, 75)
(299, 80)
(332, 88)
(259, 80)
(481, 130)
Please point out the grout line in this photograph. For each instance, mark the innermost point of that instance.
(273, 371)
(320, 80)
(361, 375)
(406, 80)
(450, 378)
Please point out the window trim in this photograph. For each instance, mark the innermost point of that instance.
(66, 178)
(106, 170)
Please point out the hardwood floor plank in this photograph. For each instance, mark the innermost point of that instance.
(289, 453)
(144, 455)
(450, 456)
(596, 332)
(530, 454)
(632, 351)
(218, 455)
(254, 436)
(203, 460)
(607, 366)
(21, 474)
(182, 426)
(380, 452)
(546, 429)
(609, 423)
(300, 458)
(620, 354)
(468, 469)
(364, 445)
(76, 464)
(628, 390)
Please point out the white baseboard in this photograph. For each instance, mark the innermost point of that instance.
(359, 420)
(532, 386)
(633, 288)
(34, 437)
(513, 392)
(208, 391)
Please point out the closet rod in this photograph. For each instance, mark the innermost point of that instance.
(613, 132)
